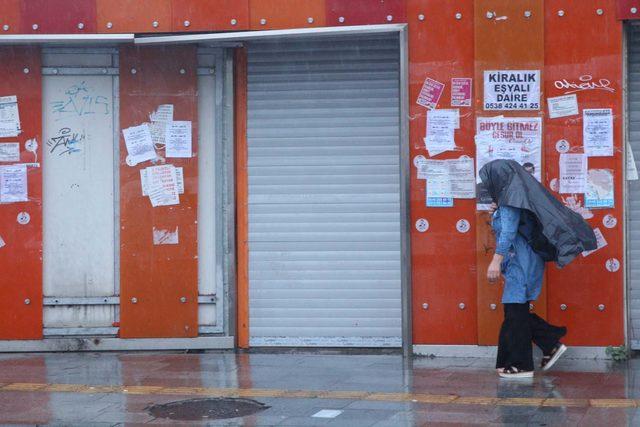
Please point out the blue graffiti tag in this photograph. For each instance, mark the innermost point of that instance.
(81, 102)
(67, 141)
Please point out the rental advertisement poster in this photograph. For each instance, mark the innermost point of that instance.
(512, 138)
(511, 90)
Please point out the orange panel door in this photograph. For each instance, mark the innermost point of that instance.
(588, 295)
(443, 258)
(508, 36)
(159, 282)
(21, 221)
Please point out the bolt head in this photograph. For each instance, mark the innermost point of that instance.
(310, 20)
(80, 26)
(183, 71)
(25, 70)
(527, 14)
(425, 306)
(134, 71)
(489, 15)
(601, 307)
(634, 10)
(234, 21)
(563, 307)
(27, 301)
(421, 17)
(561, 13)
(109, 25)
(187, 23)
(492, 306)
(461, 305)
(155, 24)
(5, 27)
(134, 300)
(35, 26)
(263, 21)
(341, 19)
(458, 16)
(600, 12)
(389, 18)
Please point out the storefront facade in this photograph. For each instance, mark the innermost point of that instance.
(290, 138)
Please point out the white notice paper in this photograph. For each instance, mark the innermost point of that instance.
(563, 106)
(164, 113)
(441, 125)
(601, 242)
(438, 184)
(162, 185)
(139, 143)
(573, 173)
(13, 183)
(158, 133)
(145, 184)
(600, 189)
(632, 170)
(178, 139)
(10, 152)
(9, 116)
(2, 244)
(597, 132)
(462, 176)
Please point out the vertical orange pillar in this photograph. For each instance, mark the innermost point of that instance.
(158, 283)
(21, 222)
(508, 36)
(443, 259)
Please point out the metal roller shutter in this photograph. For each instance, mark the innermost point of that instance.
(633, 199)
(324, 193)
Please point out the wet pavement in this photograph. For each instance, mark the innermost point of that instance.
(312, 389)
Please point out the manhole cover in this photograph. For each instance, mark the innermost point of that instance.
(206, 409)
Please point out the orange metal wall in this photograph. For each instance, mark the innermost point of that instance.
(447, 38)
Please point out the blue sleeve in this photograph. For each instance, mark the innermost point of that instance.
(509, 221)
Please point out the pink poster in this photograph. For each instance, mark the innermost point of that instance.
(461, 92)
(430, 93)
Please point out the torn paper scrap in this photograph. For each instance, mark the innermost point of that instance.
(165, 237)
(601, 242)
(2, 243)
(139, 143)
(9, 116)
(430, 93)
(178, 139)
(10, 152)
(573, 173)
(597, 132)
(162, 185)
(164, 113)
(632, 170)
(158, 132)
(599, 193)
(563, 106)
(13, 183)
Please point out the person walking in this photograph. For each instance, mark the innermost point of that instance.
(531, 227)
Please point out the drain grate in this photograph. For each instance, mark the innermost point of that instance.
(206, 409)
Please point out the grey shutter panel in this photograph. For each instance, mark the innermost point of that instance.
(324, 183)
(633, 212)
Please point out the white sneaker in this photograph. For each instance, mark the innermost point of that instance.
(557, 352)
(515, 373)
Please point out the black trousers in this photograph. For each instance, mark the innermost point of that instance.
(519, 328)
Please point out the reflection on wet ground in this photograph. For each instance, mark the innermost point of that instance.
(313, 389)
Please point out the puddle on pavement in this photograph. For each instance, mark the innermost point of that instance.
(206, 409)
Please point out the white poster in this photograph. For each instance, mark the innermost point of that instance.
(145, 184)
(178, 139)
(511, 90)
(9, 117)
(600, 190)
(162, 185)
(10, 152)
(13, 184)
(163, 236)
(563, 106)
(573, 173)
(511, 138)
(438, 184)
(597, 132)
(139, 143)
(462, 176)
(441, 125)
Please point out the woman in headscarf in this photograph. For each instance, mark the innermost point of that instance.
(531, 227)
